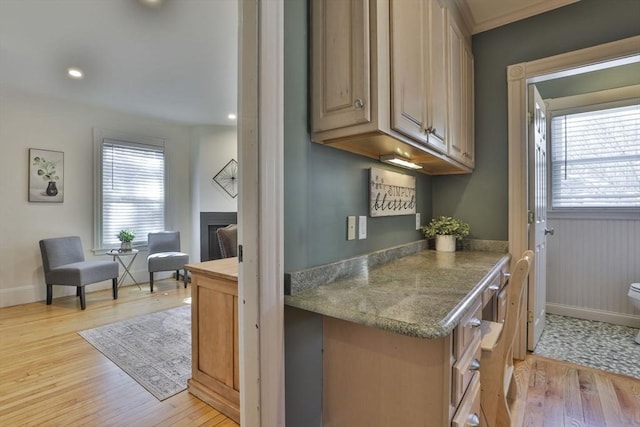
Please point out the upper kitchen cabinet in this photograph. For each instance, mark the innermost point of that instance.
(461, 113)
(382, 83)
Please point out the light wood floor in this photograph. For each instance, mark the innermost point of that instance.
(50, 376)
(558, 394)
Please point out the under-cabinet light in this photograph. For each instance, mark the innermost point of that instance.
(394, 159)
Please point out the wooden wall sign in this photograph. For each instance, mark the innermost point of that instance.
(391, 193)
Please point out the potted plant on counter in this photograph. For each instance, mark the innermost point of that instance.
(126, 237)
(446, 230)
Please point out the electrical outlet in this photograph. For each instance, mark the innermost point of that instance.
(418, 221)
(351, 227)
(362, 227)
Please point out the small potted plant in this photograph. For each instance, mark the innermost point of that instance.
(126, 237)
(446, 230)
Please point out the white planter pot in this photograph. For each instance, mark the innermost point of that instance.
(445, 243)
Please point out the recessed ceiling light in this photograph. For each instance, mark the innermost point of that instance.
(152, 3)
(75, 73)
(231, 116)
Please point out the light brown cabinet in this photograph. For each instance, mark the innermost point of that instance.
(214, 335)
(381, 81)
(373, 376)
(461, 99)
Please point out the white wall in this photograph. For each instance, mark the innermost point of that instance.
(212, 148)
(590, 265)
(28, 121)
(218, 145)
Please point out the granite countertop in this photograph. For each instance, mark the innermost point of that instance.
(423, 294)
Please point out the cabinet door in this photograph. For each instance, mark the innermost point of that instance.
(461, 113)
(408, 64)
(457, 135)
(437, 77)
(215, 335)
(340, 65)
(468, 106)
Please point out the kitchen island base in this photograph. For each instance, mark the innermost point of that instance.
(374, 377)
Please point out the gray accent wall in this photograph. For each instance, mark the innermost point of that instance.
(481, 198)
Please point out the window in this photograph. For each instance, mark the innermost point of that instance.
(130, 187)
(595, 157)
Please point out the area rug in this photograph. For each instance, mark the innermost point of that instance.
(154, 349)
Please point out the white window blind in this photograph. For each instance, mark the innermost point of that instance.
(595, 158)
(132, 190)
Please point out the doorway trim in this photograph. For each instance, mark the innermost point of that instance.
(260, 212)
(518, 77)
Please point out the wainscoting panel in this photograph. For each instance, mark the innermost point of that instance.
(591, 263)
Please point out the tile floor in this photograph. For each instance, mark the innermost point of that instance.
(596, 344)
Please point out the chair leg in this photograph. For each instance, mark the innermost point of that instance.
(78, 291)
(83, 302)
(178, 275)
(151, 281)
(115, 288)
(49, 293)
(185, 277)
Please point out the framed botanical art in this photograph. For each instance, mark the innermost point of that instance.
(46, 176)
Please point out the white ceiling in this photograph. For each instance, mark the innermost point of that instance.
(176, 62)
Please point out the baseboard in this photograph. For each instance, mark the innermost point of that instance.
(592, 314)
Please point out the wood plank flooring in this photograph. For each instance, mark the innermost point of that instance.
(50, 376)
(557, 394)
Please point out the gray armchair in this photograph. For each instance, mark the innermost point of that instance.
(63, 263)
(228, 240)
(165, 255)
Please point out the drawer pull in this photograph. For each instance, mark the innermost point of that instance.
(474, 322)
(473, 420)
(474, 365)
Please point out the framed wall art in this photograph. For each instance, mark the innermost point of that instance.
(46, 176)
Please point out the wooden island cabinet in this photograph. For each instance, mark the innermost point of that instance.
(214, 335)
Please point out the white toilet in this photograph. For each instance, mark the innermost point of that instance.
(634, 296)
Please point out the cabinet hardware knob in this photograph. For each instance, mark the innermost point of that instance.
(474, 365)
(506, 275)
(494, 287)
(475, 322)
(358, 103)
(473, 420)
(549, 231)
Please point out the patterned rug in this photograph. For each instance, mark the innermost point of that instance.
(155, 349)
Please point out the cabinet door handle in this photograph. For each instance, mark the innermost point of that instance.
(358, 103)
(473, 420)
(474, 322)
(474, 365)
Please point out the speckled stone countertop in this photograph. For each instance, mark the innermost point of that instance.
(421, 294)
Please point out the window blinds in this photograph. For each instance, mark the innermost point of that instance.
(132, 190)
(595, 158)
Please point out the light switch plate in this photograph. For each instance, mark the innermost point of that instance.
(351, 227)
(362, 227)
(417, 221)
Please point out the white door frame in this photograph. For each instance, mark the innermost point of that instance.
(260, 212)
(518, 77)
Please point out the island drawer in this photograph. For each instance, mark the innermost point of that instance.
(468, 413)
(467, 330)
(464, 369)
